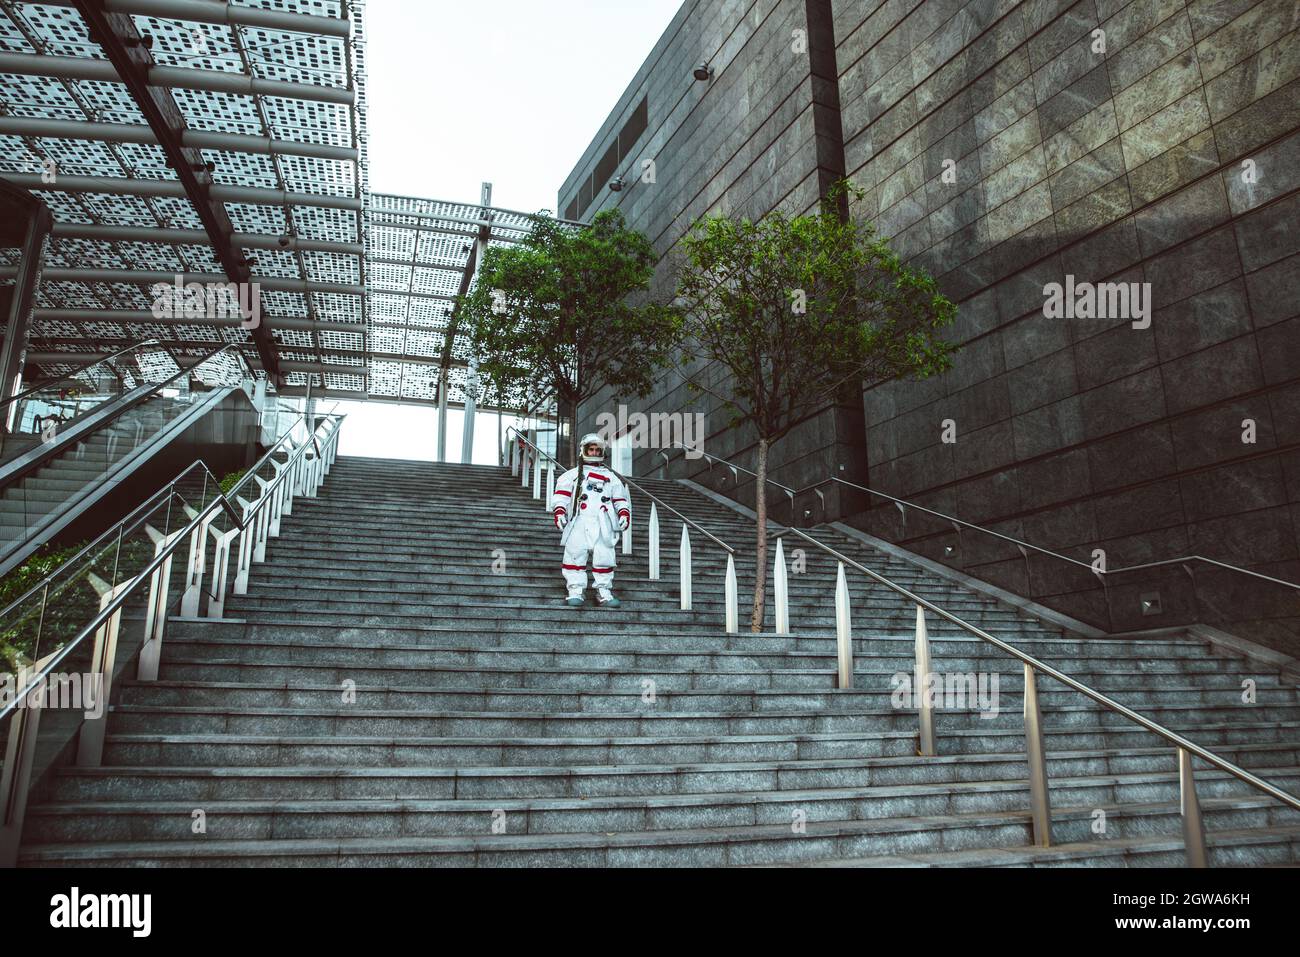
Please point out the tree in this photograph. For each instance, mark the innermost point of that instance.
(799, 311)
(567, 312)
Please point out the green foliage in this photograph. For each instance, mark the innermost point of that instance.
(230, 481)
(43, 624)
(801, 312)
(567, 312)
(797, 309)
(18, 637)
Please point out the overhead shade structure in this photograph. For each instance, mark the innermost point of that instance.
(199, 139)
(196, 140)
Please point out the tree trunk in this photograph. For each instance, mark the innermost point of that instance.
(760, 550)
(573, 438)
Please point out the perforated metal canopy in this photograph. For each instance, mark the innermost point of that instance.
(258, 164)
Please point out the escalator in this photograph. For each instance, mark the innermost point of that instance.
(80, 445)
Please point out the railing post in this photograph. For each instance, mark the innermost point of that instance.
(243, 567)
(277, 499)
(627, 538)
(16, 776)
(220, 571)
(514, 455)
(652, 539)
(90, 739)
(260, 525)
(195, 566)
(1040, 806)
(925, 706)
(537, 476)
(733, 610)
(685, 554)
(290, 480)
(550, 485)
(843, 630)
(1190, 808)
(523, 467)
(781, 585)
(155, 615)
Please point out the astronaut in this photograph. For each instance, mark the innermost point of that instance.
(591, 508)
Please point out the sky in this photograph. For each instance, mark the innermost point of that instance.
(506, 91)
(509, 92)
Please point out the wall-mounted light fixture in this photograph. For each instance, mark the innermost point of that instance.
(703, 72)
(617, 183)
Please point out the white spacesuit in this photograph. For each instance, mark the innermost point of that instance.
(591, 508)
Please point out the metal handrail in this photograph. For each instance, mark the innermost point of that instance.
(1174, 738)
(219, 503)
(151, 502)
(988, 531)
(69, 376)
(627, 481)
(143, 507)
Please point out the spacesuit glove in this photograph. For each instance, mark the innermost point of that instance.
(623, 523)
(561, 520)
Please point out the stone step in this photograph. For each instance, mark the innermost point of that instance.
(518, 768)
(594, 629)
(1246, 848)
(195, 651)
(666, 677)
(1142, 810)
(704, 847)
(621, 691)
(519, 713)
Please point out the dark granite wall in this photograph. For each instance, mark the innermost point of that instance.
(1083, 434)
(1076, 434)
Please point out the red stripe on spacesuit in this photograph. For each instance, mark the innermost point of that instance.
(575, 568)
(560, 491)
(598, 477)
(598, 571)
(620, 500)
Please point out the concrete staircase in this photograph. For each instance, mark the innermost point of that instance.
(403, 686)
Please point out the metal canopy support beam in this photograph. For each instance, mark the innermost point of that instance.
(55, 347)
(121, 42)
(173, 77)
(425, 228)
(471, 381)
(17, 322)
(417, 264)
(270, 283)
(55, 358)
(136, 316)
(139, 133)
(204, 11)
(298, 323)
(444, 386)
(449, 337)
(146, 234)
(122, 186)
(347, 395)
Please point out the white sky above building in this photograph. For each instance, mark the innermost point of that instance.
(503, 91)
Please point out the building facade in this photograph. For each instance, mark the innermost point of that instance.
(1012, 149)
